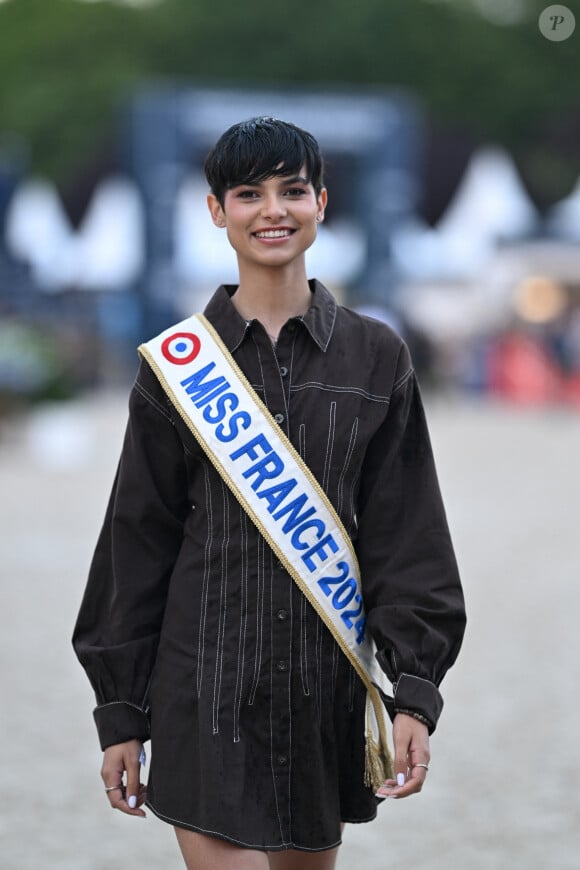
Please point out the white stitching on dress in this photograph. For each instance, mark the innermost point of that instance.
(259, 619)
(271, 700)
(223, 606)
(304, 646)
(335, 652)
(302, 441)
(319, 645)
(274, 846)
(243, 625)
(303, 609)
(402, 380)
(128, 703)
(329, 446)
(152, 400)
(347, 458)
(206, 570)
(351, 688)
(357, 391)
(261, 370)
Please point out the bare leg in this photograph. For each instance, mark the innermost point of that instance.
(201, 852)
(294, 859)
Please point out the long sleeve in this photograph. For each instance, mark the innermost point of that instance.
(118, 626)
(409, 573)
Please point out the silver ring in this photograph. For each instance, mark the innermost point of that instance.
(114, 787)
(421, 764)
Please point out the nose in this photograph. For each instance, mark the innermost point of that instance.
(273, 208)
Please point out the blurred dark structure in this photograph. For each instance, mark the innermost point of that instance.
(375, 134)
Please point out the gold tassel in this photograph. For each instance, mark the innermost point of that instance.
(378, 764)
(378, 759)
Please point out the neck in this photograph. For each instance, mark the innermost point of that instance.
(272, 297)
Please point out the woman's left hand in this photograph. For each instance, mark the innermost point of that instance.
(412, 756)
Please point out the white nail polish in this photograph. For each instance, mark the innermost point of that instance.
(132, 801)
(400, 779)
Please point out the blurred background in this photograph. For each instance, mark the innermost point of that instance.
(451, 130)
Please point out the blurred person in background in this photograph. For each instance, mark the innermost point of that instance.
(198, 630)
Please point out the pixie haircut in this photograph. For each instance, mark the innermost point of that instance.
(251, 151)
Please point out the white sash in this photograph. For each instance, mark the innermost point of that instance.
(279, 493)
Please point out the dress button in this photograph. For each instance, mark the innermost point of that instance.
(282, 665)
(283, 371)
(282, 615)
(282, 759)
(279, 418)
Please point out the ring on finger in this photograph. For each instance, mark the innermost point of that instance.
(421, 764)
(113, 788)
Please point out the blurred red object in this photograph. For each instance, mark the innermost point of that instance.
(523, 371)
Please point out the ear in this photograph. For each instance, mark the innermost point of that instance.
(321, 202)
(216, 211)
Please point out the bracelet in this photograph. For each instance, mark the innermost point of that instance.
(415, 715)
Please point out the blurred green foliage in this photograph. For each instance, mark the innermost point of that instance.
(66, 66)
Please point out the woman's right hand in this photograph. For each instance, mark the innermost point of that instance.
(119, 759)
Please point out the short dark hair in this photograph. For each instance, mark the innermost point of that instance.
(260, 148)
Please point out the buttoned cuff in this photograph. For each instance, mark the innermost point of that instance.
(415, 695)
(120, 721)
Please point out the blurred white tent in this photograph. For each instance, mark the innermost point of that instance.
(38, 232)
(564, 217)
(490, 205)
(491, 200)
(203, 256)
(421, 253)
(110, 244)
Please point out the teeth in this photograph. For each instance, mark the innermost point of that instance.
(273, 234)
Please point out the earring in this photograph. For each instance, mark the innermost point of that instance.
(318, 218)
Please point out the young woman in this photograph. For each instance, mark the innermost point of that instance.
(192, 629)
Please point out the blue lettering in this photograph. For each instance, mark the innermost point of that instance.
(196, 388)
(220, 408)
(294, 509)
(266, 468)
(249, 448)
(297, 543)
(276, 494)
(221, 385)
(318, 550)
(242, 417)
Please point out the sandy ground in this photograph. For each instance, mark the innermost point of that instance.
(503, 787)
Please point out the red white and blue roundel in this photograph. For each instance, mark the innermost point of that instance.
(181, 348)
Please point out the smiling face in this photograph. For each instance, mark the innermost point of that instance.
(270, 222)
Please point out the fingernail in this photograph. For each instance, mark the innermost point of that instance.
(400, 779)
(132, 801)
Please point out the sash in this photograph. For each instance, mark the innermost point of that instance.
(281, 496)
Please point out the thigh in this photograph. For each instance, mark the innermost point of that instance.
(201, 852)
(294, 859)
